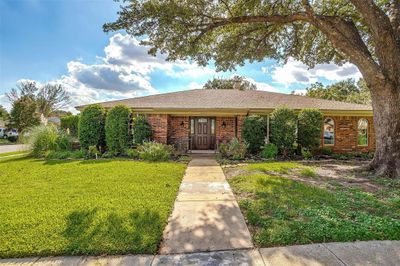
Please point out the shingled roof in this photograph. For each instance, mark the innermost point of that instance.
(231, 99)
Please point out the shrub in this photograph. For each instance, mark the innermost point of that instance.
(63, 141)
(117, 129)
(91, 127)
(326, 151)
(306, 154)
(269, 151)
(283, 129)
(154, 151)
(70, 123)
(43, 139)
(253, 132)
(93, 152)
(132, 153)
(60, 155)
(308, 172)
(309, 128)
(141, 130)
(235, 150)
(108, 154)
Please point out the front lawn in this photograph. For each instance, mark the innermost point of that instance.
(84, 207)
(285, 205)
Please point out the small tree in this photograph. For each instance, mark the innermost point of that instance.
(283, 129)
(229, 84)
(23, 114)
(309, 128)
(70, 123)
(91, 127)
(253, 132)
(117, 129)
(141, 130)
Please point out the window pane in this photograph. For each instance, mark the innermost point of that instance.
(202, 120)
(329, 131)
(212, 126)
(363, 132)
(191, 126)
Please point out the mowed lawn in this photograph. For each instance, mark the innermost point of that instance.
(84, 207)
(284, 211)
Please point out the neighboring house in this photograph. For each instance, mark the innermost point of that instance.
(201, 119)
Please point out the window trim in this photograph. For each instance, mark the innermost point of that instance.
(366, 133)
(334, 132)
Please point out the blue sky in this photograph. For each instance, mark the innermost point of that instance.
(62, 41)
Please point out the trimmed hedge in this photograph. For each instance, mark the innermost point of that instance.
(71, 123)
(141, 130)
(253, 133)
(309, 128)
(283, 129)
(91, 127)
(118, 138)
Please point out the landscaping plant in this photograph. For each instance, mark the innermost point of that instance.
(253, 132)
(309, 128)
(269, 151)
(283, 129)
(91, 127)
(141, 130)
(154, 151)
(235, 150)
(43, 139)
(70, 123)
(118, 137)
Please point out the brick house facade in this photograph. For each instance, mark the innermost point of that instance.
(202, 119)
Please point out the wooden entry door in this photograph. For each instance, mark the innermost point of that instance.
(202, 133)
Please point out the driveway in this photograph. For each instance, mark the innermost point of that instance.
(13, 148)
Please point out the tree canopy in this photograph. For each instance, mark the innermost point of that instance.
(23, 114)
(344, 91)
(49, 98)
(229, 84)
(3, 113)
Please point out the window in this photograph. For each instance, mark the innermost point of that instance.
(329, 131)
(363, 132)
(191, 125)
(212, 126)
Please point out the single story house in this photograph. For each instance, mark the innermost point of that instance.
(200, 119)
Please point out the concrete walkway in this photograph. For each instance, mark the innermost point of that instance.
(13, 148)
(385, 253)
(206, 216)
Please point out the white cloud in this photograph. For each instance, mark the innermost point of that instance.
(5, 102)
(262, 86)
(297, 72)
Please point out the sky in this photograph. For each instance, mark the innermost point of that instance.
(62, 41)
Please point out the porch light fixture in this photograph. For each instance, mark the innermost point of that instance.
(182, 124)
(223, 124)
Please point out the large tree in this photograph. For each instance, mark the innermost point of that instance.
(24, 114)
(237, 82)
(345, 91)
(3, 113)
(363, 32)
(49, 98)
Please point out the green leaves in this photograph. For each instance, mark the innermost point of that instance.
(91, 127)
(118, 137)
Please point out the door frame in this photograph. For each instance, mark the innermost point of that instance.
(212, 130)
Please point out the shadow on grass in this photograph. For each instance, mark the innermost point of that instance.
(90, 232)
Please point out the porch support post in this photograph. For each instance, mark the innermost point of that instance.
(267, 137)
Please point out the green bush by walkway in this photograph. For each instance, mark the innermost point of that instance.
(84, 207)
(91, 127)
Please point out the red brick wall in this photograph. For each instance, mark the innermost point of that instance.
(224, 133)
(178, 129)
(346, 134)
(159, 126)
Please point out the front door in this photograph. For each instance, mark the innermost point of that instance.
(203, 138)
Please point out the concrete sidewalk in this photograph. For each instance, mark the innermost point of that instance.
(206, 216)
(385, 253)
(14, 148)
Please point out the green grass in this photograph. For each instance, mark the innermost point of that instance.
(13, 153)
(5, 142)
(308, 172)
(278, 167)
(84, 207)
(281, 211)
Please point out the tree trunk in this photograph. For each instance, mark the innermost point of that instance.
(386, 105)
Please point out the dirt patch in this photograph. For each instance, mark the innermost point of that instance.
(329, 173)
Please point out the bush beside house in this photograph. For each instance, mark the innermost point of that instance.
(70, 123)
(118, 138)
(91, 127)
(309, 129)
(283, 129)
(141, 130)
(253, 133)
